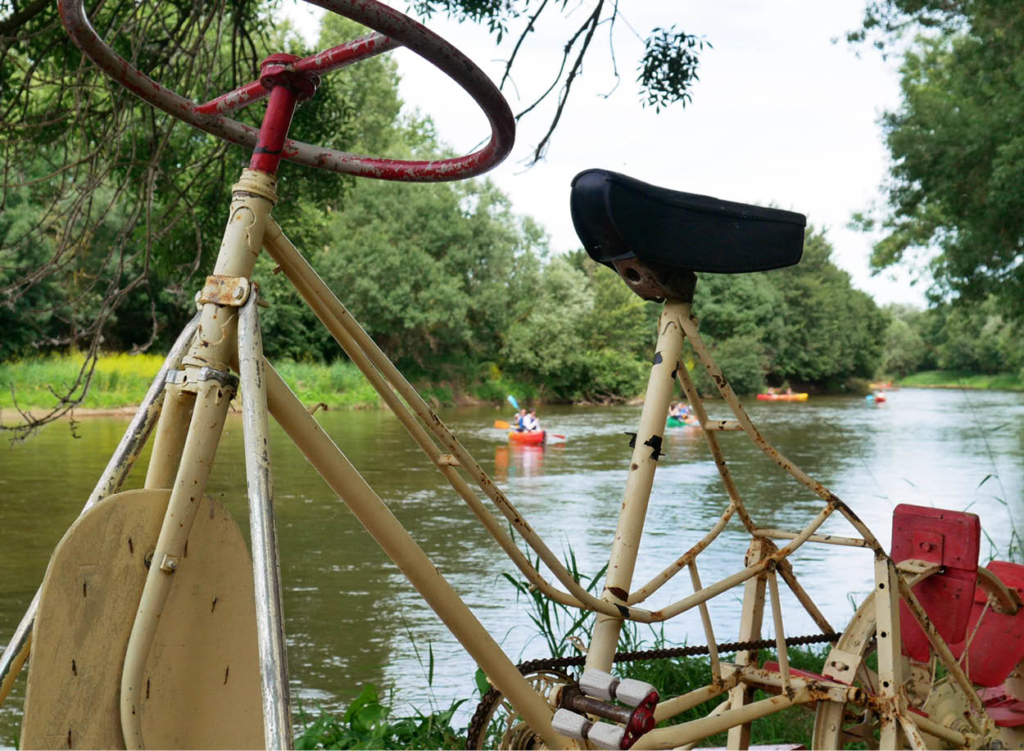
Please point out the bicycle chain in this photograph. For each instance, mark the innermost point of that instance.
(560, 663)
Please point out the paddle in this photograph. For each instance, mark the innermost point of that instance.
(513, 402)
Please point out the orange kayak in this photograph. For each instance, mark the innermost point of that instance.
(526, 436)
(802, 397)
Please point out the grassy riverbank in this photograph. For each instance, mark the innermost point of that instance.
(369, 723)
(961, 379)
(121, 380)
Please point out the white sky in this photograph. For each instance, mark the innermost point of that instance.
(781, 115)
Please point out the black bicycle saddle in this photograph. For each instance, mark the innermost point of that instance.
(619, 218)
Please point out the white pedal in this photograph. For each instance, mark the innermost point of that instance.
(570, 724)
(631, 692)
(599, 684)
(606, 735)
(602, 685)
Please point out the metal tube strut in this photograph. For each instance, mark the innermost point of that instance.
(270, 632)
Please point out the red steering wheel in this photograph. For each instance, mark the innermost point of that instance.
(394, 30)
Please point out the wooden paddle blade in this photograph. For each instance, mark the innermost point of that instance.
(501, 425)
(202, 682)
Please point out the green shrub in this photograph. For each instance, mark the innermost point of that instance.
(368, 724)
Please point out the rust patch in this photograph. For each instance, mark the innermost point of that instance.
(74, 668)
(623, 610)
(85, 589)
(226, 671)
(214, 605)
(619, 592)
(131, 548)
(147, 688)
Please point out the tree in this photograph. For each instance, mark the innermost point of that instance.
(90, 157)
(804, 323)
(831, 330)
(904, 349)
(122, 198)
(980, 340)
(666, 72)
(956, 147)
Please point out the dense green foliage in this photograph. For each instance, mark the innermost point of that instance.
(956, 145)
(980, 339)
(804, 324)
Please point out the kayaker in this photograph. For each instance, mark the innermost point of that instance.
(520, 420)
(530, 422)
(679, 410)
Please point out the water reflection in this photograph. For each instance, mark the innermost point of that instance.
(353, 619)
(520, 461)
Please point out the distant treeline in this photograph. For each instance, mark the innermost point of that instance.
(974, 339)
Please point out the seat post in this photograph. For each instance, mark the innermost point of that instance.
(647, 445)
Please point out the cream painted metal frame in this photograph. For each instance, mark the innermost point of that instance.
(227, 337)
(186, 408)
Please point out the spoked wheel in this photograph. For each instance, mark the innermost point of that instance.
(496, 724)
(839, 725)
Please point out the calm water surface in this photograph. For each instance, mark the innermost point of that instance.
(353, 619)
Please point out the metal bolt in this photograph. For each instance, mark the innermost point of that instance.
(239, 291)
(169, 563)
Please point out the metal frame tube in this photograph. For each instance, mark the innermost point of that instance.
(186, 497)
(689, 325)
(780, 633)
(266, 566)
(110, 481)
(644, 462)
(169, 438)
(395, 540)
(695, 730)
(679, 704)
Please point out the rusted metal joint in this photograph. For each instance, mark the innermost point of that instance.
(277, 70)
(656, 282)
(230, 291)
(222, 377)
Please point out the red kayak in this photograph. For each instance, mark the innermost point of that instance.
(526, 436)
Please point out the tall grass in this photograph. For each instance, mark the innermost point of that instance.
(367, 723)
(121, 380)
(117, 380)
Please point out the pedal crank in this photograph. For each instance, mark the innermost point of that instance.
(575, 701)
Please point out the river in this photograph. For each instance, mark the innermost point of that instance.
(352, 619)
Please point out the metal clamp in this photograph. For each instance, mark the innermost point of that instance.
(222, 377)
(225, 290)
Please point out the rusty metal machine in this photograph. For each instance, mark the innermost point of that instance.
(155, 625)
